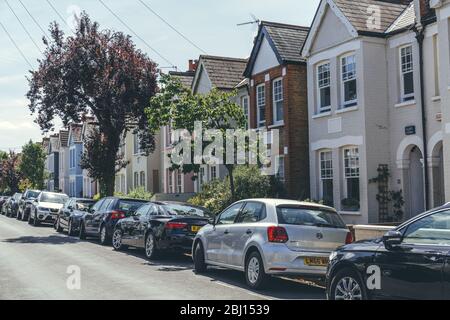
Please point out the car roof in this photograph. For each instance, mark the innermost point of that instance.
(83, 199)
(281, 202)
(55, 193)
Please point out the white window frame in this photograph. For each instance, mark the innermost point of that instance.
(245, 101)
(211, 170)
(136, 145)
(275, 101)
(170, 186)
(351, 103)
(135, 179)
(142, 179)
(202, 176)
(180, 185)
(278, 161)
(322, 178)
(320, 87)
(352, 176)
(410, 96)
(259, 105)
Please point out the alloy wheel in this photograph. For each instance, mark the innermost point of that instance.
(149, 246)
(348, 289)
(253, 270)
(117, 239)
(103, 235)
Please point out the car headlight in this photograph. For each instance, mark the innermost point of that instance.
(43, 209)
(333, 255)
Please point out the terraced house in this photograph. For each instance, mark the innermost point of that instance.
(278, 100)
(375, 108)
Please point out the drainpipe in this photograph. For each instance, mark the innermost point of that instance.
(420, 35)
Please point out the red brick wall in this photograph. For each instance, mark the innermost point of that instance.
(294, 134)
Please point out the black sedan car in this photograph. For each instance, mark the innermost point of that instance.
(25, 204)
(12, 205)
(70, 215)
(159, 226)
(410, 262)
(100, 220)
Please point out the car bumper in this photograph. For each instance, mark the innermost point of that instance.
(46, 217)
(280, 260)
(177, 242)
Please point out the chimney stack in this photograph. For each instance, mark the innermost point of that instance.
(193, 65)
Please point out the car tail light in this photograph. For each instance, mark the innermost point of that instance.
(176, 225)
(116, 215)
(349, 238)
(277, 235)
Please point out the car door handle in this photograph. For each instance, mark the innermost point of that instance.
(249, 231)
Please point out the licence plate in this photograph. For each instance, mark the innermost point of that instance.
(316, 262)
(195, 229)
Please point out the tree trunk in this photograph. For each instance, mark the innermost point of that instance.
(107, 182)
(232, 188)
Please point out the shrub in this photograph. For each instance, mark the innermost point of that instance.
(138, 193)
(249, 183)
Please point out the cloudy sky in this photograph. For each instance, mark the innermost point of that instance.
(210, 24)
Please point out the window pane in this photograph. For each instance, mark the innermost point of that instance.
(350, 90)
(433, 229)
(228, 216)
(252, 212)
(327, 192)
(261, 104)
(325, 99)
(408, 82)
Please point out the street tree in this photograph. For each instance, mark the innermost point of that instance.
(176, 106)
(10, 174)
(97, 73)
(32, 164)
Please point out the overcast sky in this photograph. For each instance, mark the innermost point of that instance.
(210, 24)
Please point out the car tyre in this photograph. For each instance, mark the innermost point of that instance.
(151, 252)
(58, 226)
(347, 285)
(117, 240)
(35, 220)
(70, 232)
(82, 233)
(104, 240)
(255, 275)
(18, 215)
(199, 259)
(29, 218)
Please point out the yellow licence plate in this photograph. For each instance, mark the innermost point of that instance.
(316, 262)
(195, 228)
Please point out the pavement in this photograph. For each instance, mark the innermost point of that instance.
(39, 263)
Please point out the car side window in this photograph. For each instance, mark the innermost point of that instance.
(97, 206)
(142, 211)
(430, 230)
(229, 215)
(154, 210)
(105, 204)
(252, 212)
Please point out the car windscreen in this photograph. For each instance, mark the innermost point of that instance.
(129, 206)
(309, 217)
(175, 209)
(85, 205)
(54, 198)
(32, 194)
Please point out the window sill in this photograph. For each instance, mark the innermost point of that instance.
(277, 125)
(348, 109)
(322, 115)
(405, 104)
(350, 213)
(436, 98)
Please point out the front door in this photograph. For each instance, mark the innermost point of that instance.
(415, 269)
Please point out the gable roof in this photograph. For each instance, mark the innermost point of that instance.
(224, 72)
(395, 15)
(185, 78)
(286, 41)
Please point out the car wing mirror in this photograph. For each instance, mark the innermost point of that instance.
(392, 238)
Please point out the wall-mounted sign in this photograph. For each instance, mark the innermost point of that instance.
(410, 130)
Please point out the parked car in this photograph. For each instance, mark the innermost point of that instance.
(2, 201)
(45, 207)
(13, 205)
(160, 226)
(100, 220)
(70, 215)
(4, 207)
(410, 262)
(25, 204)
(265, 237)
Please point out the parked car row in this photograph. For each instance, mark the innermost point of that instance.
(263, 238)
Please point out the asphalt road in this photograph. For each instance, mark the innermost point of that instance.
(34, 264)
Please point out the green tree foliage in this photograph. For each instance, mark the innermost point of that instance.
(249, 183)
(138, 193)
(10, 175)
(178, 107)
(32, 165)
(98, 73)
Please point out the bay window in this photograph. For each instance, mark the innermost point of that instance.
(278, 101)
(406, 73)
(261, 105)
(351, 175)
(348, 87)
(326, 178)
(324, 87)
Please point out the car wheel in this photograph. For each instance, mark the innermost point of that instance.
(35, 220)
(58, 226)
(117, 240)
(29, 218)
(150, 247)
(255, 275)
(18, 215)
(347, 285)
(199, 259)
(82, 233)
(103, 236)
(70, 228)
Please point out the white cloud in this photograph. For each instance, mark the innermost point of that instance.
(8, 125)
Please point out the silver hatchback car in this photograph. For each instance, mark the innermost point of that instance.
(264, 237)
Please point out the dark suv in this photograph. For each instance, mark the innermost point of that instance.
(25, 204)
(100, 220)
